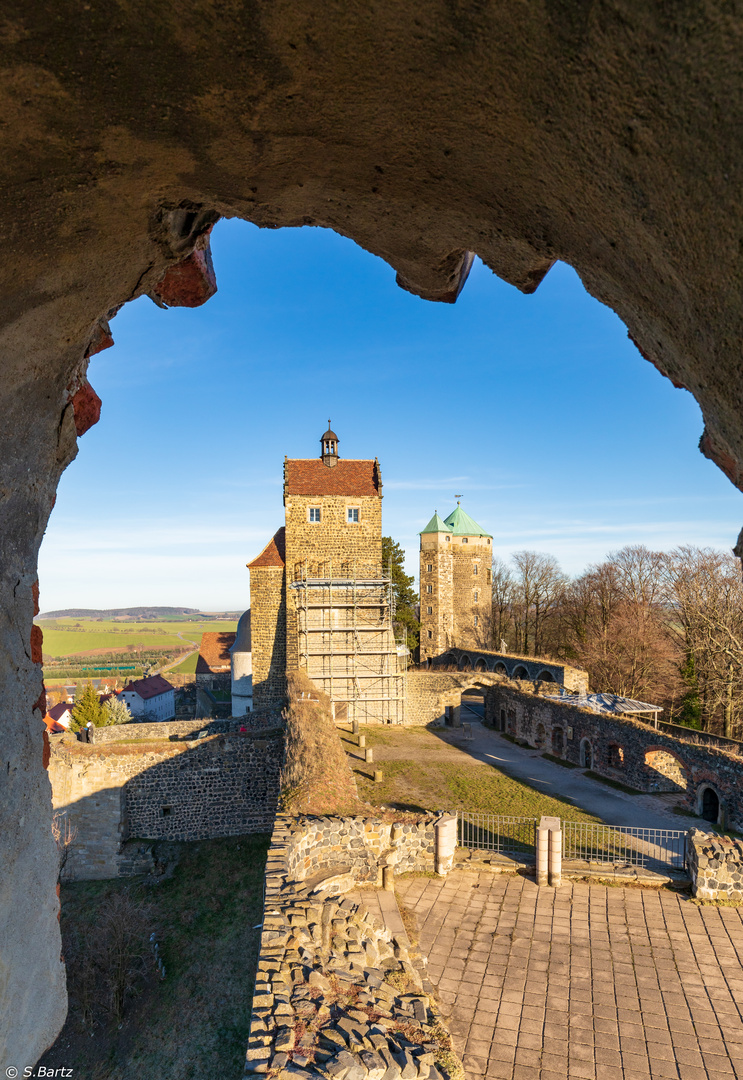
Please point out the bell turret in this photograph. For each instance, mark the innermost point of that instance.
(329, 447)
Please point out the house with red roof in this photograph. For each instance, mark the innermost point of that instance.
(152, 698)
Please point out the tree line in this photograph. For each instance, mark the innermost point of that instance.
(661, 627)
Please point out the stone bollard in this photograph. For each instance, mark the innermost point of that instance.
(388, 878)
(549, 851)
(355, 727)
(555, 864)
(378, 776)
(445, 831)
(362, 741)
(369, 755)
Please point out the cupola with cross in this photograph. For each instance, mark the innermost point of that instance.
(329, 447)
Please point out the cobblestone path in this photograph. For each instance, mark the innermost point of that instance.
(583, 982)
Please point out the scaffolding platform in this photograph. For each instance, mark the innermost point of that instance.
(346, 642)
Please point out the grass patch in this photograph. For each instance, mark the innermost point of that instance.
(683, 812)
(63, 637)
(612, 783)
(515, 741)
(196, 1023)
(420, 786)
(561, 761)
(186, 667)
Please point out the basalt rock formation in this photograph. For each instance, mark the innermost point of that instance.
(606, 134)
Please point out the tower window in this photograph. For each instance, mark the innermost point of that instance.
(448, 539)
(465, 539)
(475, 620)
(476, 595)
(314, 512)
(429, 567)
(430, 633)
(429, 588)
(352, 515)
(475, 569)
(429, 611)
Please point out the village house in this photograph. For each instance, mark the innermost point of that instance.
(151, 698)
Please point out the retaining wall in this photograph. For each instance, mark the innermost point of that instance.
(225, 785)
(362, 845)
(622, 749)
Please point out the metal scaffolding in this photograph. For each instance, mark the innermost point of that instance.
(346, 641)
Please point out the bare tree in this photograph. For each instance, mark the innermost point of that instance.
(705, 594)
(504, 591)
(540, 586)
(64, 834)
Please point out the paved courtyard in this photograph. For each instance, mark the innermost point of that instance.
(584, 982)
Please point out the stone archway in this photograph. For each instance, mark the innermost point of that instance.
(125, 143)
(709, 805)
(520, 672)
(586, 754)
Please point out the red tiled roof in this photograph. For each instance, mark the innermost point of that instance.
(214, 654)
(149, 688)
(310, 476)
(273, 554)
(57, 711)
(53, 726)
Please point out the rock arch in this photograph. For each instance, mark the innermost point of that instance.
(520, 672)
(122, 203)
(481, 664)
(545, 676)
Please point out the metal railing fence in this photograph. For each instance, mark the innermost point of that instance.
(501, 834)
(620, 845)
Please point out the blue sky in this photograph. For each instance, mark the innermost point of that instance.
(538, 410)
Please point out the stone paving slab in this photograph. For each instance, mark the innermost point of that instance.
(586, 982)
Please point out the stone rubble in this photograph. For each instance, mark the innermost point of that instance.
(336, 995)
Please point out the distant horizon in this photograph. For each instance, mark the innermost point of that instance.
(537, 410)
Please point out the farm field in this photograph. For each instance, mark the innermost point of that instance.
(70, 637)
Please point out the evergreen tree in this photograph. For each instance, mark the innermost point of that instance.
(87, 709)
(116, 711)
(406, 621)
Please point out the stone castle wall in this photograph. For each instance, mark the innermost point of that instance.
(225, 785)
(182, 729)
(620, 748)
(269, 636)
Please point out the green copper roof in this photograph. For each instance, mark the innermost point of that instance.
(435, 525)
(461, 524)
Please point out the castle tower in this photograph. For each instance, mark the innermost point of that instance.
(455, 584)
(321, 600)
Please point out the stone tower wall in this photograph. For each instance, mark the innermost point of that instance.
(269, 636)
(436, 553)
(332, 538)
(472, 574)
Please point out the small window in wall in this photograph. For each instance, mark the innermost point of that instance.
(429, 588)
(465, 540)
(430, 633)
(429, 611)
(314, 512)
(475, 620)
(429, 568)
(475, 569)
(476, 595)
(167, 811)
(352, 515)
(448, 539)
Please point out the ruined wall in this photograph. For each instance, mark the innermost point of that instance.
(182, 729)
(622, 749)
(269, 637)
(361, 846)
(715, 865)
(222, 786)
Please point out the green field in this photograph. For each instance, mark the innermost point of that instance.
(68, 637)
